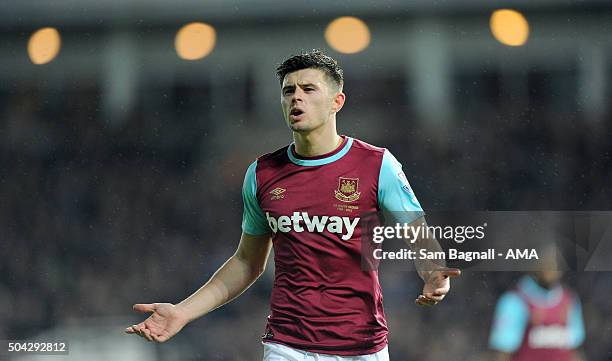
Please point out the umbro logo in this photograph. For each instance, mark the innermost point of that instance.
(277, 193)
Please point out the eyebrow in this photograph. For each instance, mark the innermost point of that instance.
(302, 85)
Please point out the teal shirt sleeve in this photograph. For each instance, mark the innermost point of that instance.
(395, 196)
(576, 324)
(253, 220)
(509, 323)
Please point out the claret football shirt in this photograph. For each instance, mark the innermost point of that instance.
(534, 323)
(322, 299)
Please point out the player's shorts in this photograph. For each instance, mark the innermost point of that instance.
(277, 352)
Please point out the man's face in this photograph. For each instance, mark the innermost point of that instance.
(307, 99)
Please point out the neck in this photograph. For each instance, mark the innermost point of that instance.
(314, 144)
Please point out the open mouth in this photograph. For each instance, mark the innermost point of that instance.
(296, 112)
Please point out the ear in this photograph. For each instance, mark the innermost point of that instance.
(338, 101)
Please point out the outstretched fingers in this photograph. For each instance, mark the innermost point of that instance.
(147, 334)
(451, 272)
(425, 301)
(134, 329)
(438, 295)
(141, 330)
(144, 307)
(130, 330)
(159, 338)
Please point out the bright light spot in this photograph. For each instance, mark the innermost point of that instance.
(44, 45)
(348, 35)
(509, 27)
(195, 41)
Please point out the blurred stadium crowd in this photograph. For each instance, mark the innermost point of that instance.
(95, 218)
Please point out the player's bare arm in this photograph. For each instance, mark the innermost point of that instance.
(232, 279)
(435, 274)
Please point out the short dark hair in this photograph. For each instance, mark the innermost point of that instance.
(315, 59)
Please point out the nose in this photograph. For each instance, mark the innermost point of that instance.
(297, 95)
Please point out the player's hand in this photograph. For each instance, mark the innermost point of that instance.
(436, 286)
(165, 322)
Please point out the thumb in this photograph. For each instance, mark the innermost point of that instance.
(144, 307)
(451, 272)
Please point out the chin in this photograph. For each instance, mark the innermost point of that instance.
(299, 127)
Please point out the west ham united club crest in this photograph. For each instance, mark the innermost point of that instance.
(347, 189)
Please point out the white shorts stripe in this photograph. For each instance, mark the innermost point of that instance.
(277, 352)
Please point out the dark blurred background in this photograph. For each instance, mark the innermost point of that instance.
(121, 162)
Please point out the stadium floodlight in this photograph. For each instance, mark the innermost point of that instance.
(195, 41)
(509, 27)
(44, 45)
(348, 35)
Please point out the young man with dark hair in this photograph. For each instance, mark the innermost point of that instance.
(306, 199)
